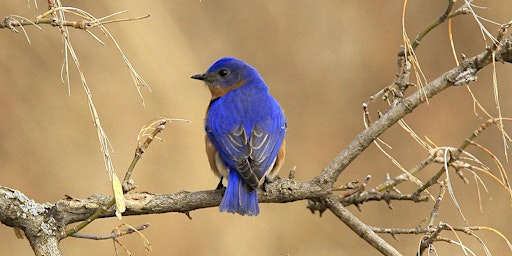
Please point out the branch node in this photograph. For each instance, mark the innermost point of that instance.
(291, 175)
(188, 214)
(129, 185)
(316, 205)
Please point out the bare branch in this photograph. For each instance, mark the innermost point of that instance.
(114, 234)
(363, 230)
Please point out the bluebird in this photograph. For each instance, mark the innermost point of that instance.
(245, 133)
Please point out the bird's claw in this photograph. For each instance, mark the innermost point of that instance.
(220, 185)
(268, 181)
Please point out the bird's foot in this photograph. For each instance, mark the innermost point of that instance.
(220, 185)
(268, 181)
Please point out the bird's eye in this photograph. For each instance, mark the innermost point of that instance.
(223, 72)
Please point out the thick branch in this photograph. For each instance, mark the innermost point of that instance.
(33, 218)
(280, 191)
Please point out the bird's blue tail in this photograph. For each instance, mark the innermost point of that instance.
(239, 198)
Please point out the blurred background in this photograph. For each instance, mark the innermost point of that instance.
(322, 60)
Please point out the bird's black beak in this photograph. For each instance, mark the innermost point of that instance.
(199, 77)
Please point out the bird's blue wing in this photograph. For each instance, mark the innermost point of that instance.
(266, 139)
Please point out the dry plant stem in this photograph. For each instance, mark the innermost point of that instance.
(403, 73)
(56, 16)
(359, 227)
(418, 230)
(433, 180)
(462, 10)
(431, 236)
(441, 19)
(10, 22)
(390, 183)
(91, 218)
(459, 75)
(114, 234)
(142, 148)
(435, 210)
(441, 227)
(463, 72)
(399, 231)
(434, 24)
(138, 154)
(501, 33)
(386, 196)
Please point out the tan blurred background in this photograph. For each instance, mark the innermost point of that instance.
(321, 59)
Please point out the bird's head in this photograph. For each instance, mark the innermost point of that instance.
(227, 74)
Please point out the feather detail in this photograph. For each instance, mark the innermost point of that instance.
(239, 198)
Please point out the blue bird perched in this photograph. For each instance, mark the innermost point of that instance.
(245, 132)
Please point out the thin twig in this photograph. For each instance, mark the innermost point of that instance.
(114, 234)
(441, 19)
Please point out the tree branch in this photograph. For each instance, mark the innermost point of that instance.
(281, 191)
(13, 21)
(460, 75)
(360, 228)
(114, 234)
(33, 218)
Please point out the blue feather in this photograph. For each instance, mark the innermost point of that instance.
(238, 198)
